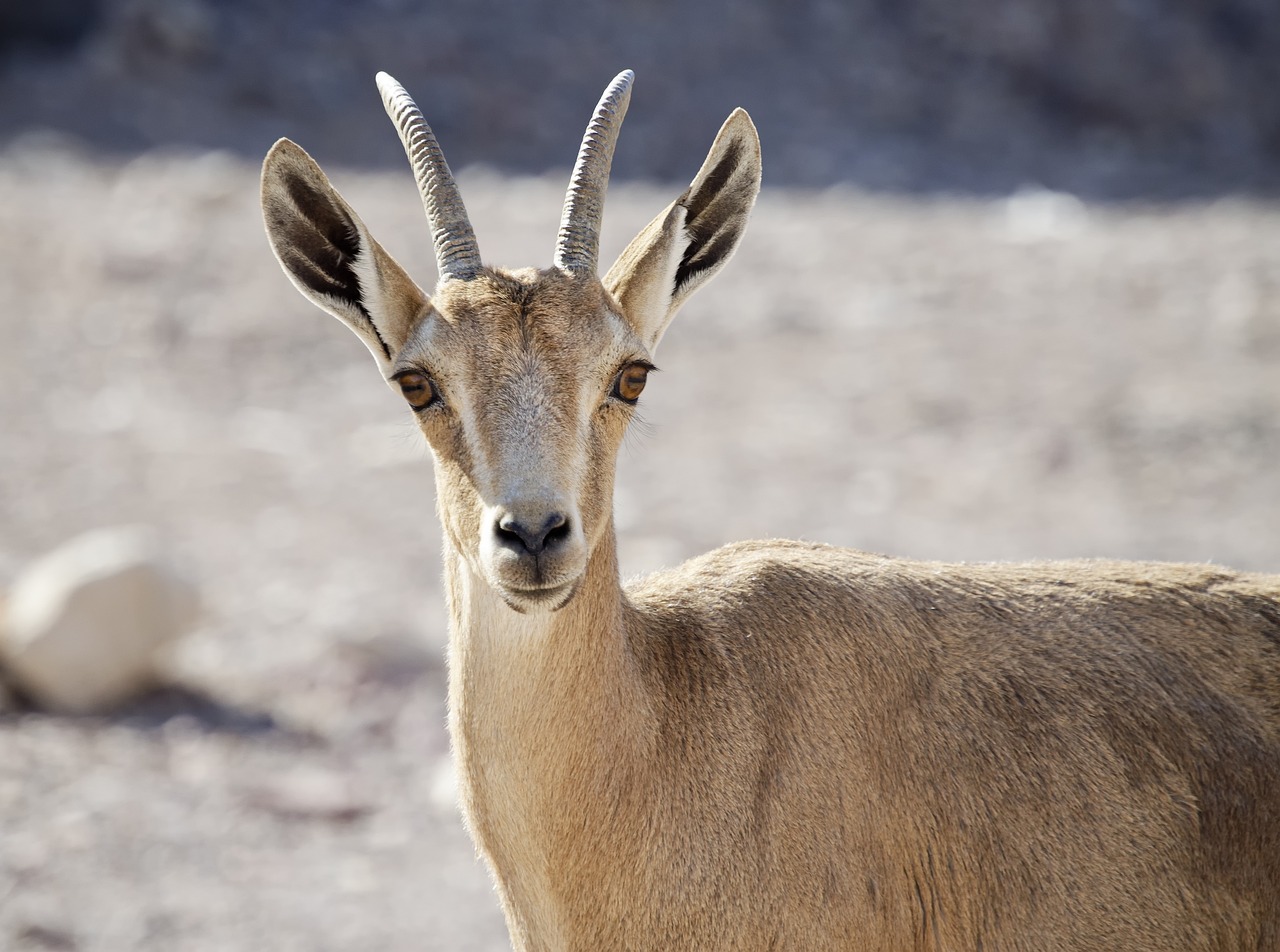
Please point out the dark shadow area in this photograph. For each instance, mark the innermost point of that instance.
(1161, 99)
(157, 708)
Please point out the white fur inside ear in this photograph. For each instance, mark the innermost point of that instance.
(365, 266)
(658, 301)
(388, 295)
(366, 271)
(371, 300)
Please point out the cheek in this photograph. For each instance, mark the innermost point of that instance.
(596, 498)
(458, 502)
(445, 438)
(459, 507)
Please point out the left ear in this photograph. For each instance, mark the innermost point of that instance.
(694, 237)
(330, 256)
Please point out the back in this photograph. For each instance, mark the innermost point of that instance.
(1051, 756)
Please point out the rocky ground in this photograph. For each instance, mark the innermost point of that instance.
(953, 379)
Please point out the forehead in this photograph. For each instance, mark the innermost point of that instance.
(502, 317)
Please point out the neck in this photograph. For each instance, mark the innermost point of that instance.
(528, 664)
(546, 714)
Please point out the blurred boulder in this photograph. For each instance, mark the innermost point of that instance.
(85, 624)
(310, 793)
(443, 790)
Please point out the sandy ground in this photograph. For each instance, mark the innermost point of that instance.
(952, 379)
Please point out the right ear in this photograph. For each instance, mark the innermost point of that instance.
(694, 237)
(330, 257)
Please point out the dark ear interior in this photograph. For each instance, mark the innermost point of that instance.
(693, 237)
(329, 255)
(716, 213)
(323, 239)
(314, 234)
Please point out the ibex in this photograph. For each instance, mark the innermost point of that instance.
(782, 745)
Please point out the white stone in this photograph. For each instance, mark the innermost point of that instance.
(313, 793)
(85, 625)
(444, 792)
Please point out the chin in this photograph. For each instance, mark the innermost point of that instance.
(528, 601)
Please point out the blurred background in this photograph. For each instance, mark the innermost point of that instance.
(1012, 291)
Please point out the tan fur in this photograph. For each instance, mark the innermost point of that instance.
(790, 746)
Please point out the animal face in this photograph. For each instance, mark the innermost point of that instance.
(523, 384)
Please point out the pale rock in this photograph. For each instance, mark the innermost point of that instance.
(310, 793)
(443, 790)
(85, 625)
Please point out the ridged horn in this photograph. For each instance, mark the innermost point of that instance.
(457, 255)
(578, 244)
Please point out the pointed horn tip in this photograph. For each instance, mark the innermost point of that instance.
(620, 89)
(390, 89)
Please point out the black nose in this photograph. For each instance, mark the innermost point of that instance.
(526, 537)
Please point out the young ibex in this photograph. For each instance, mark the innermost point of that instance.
(782, 745)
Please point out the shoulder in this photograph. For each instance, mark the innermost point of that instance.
(741, 561)
(799, 577)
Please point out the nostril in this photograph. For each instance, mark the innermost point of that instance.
(558, 530)
(518, 535)
(507, 532)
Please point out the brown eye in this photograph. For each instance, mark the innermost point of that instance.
(630, 382)
(417, 389)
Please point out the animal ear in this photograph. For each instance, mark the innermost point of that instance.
(330, 257)
(694, 237)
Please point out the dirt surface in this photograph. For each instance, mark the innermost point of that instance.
(958, 379)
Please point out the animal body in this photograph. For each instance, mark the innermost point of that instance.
(782, 745)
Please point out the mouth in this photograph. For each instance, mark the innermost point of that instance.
(549, 598)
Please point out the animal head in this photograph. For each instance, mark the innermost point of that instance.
(523, 381)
